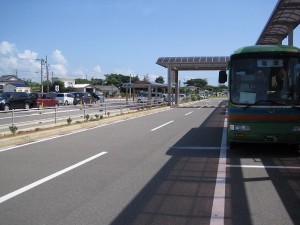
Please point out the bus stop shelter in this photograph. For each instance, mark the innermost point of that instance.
(175, 64)
(149, 86)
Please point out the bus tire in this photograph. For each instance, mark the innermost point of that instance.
(293, 147)
(232, 145)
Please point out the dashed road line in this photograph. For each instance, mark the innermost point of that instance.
(50, 177)
(156, 128)
(188, 113)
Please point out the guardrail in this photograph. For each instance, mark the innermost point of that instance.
(21, 120)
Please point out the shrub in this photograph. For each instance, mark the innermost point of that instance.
(69, 121)
(13, 129)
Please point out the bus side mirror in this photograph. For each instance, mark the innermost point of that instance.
(222, 77)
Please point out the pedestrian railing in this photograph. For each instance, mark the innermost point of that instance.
(21, 120)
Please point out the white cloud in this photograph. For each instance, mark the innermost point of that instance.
(58, 57)
(14, 62)
(6, 47)
(152, 77)
(123, 71)
(28, 55)
(59, 70)
(97, 69)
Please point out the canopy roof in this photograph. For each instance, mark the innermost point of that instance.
(284, 18)
(194, 63)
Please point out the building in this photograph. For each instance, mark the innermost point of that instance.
(17, 87)
(108, 90)
(7, 79)
(83, 88)
(68, 82)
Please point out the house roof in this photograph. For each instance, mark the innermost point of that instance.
(10, 78)
(82, 85)
(63, 79)
(18, 85)
(143, 84)
(106, 87)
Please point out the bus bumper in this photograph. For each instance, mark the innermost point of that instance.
(288, 133)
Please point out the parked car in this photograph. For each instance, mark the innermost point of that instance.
(155, 97)
(83, 98)
(65, 98)
(98, 96)
(14, 100)
(39, 100)
(173, 97)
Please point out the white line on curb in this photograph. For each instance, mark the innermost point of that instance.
(218, 208)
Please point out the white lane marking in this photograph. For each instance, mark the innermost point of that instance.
(218, 208)
(197, 148)
(188, 113)
(162, 125)
(41, 181)
(264, 167)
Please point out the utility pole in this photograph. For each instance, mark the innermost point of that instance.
(130, 87)
(42, 62)
(47, 74)
(42, 88)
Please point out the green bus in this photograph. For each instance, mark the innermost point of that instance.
(264, 95)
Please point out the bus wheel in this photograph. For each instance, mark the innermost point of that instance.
(293, 147)
(232, 145)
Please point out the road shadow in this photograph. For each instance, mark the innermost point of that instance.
(285, 180)
(182, 191)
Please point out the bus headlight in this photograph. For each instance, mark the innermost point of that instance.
(239, 127)
(296, 128)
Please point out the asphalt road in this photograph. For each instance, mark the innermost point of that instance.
(170, 167)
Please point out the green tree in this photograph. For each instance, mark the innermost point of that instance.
(82, 81)
(113, 79)
(160, 80)
(200, 83)
(134, 79)
(118, 79)
(47, 86)
(146, 78)
(97, 81)
(61, 85)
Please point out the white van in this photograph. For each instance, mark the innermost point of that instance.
(65, 98)
(181, 97)
(155, 98)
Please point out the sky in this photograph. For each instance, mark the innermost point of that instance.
(91, 38)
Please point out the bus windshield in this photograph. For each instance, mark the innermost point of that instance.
(265, 81)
